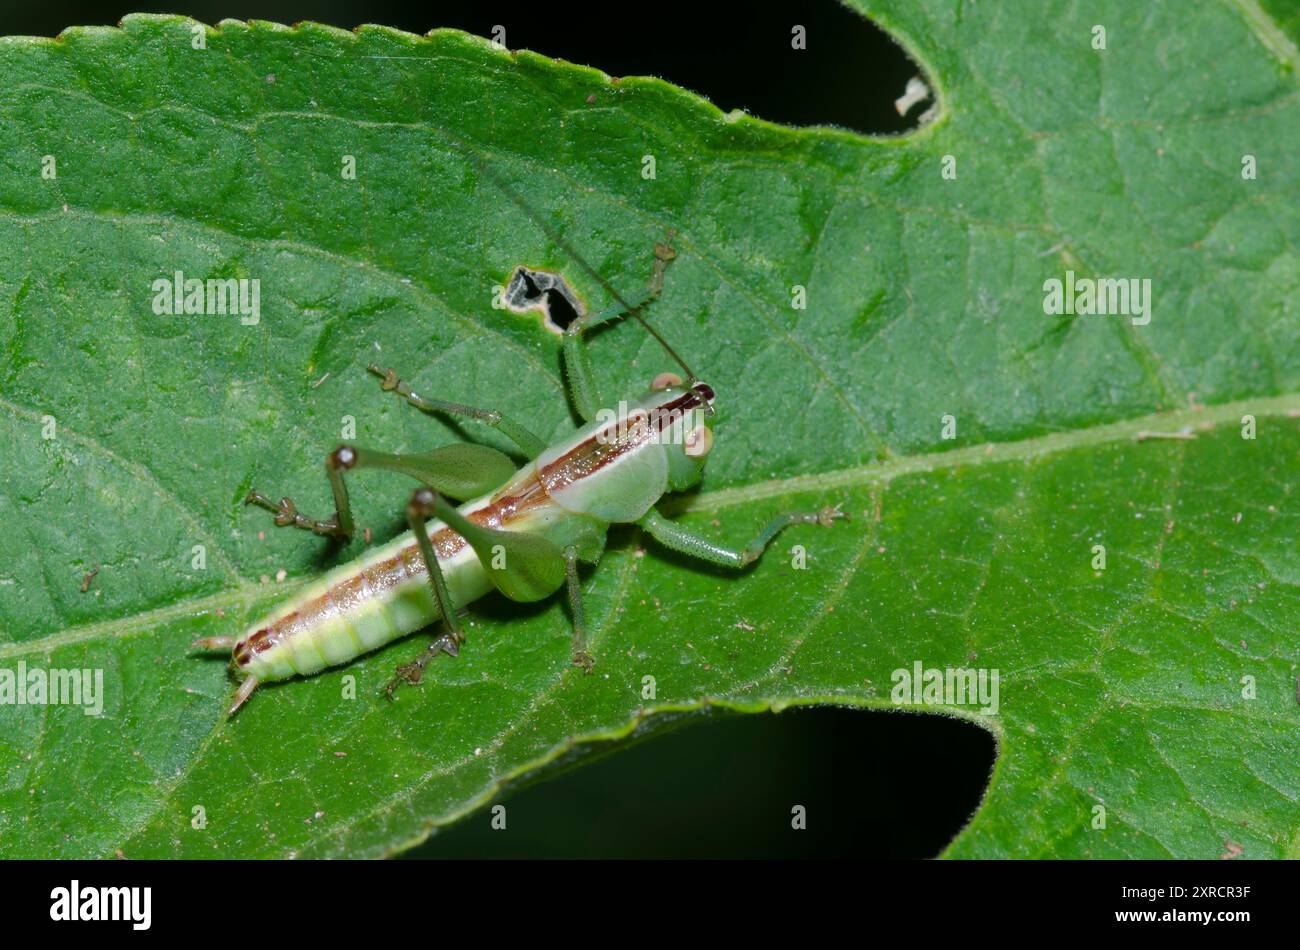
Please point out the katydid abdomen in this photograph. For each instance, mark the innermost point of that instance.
(521, 538)
(385, 594)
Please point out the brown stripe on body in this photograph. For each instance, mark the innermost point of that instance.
(383, 576)
(603, 448)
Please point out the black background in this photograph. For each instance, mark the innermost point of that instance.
(738, 55)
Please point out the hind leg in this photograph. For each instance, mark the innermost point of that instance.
(418, 511)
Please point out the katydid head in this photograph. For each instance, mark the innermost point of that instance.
(682, 415)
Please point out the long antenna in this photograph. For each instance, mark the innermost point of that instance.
(551, 232)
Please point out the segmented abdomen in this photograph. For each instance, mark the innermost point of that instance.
(384, 595)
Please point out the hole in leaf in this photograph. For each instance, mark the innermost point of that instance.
(873, 784)
(543, 291)
(739, 56)
(562, 312)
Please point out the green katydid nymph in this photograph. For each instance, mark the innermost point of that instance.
(521, 531)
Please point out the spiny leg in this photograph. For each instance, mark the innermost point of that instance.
(337, 525)
(531, 568)
(684, 541)
(577, 366)
(420, 508)
(579, 616)
(528, 443)
(461, 470)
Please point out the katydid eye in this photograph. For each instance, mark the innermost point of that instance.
(665, 381)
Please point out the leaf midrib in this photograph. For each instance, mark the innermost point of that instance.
(878, 473)
(1267, 32)
(1197, 418)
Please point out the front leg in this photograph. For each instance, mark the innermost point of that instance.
(674, 536)
(528, 443)
(577, 367)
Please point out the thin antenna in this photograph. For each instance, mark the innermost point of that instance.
(552, 233)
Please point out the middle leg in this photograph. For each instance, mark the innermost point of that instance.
(528, 443)
(685, 541)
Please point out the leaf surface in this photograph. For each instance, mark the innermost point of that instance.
(1161, 688)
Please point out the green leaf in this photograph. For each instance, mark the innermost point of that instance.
(1162, 688)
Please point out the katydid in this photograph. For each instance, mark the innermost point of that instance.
(520, 531)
